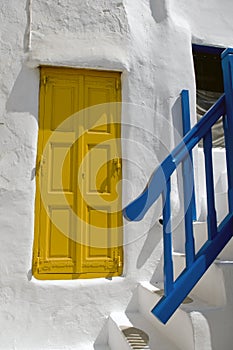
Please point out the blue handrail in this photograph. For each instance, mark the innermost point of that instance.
(160, 184)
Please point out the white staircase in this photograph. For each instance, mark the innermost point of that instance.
(203, 322)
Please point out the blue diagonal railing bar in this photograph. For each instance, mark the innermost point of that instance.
(197, 263)
(189, 277)
(176, 291)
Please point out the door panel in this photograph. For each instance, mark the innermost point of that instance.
(57, 252)
(101, 145)
(98, 159)
(78, 223)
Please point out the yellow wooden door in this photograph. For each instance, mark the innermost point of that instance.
(78, 221)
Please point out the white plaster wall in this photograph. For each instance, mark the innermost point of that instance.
(150, 42)
(209, 21)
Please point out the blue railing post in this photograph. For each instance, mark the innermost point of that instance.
(227, 66)
(167, 240)
(211, 212)
(186, 128)
(188, 210)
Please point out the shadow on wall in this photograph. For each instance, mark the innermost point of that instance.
(154, 234)
(153, 238)
(178, 135)
(25, 92)
(177, 120)
(158, 10)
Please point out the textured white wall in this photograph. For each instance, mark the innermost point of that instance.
(209, 21)
(150, 42)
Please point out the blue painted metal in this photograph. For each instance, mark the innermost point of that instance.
(227, 65)
(187, 170)
(185, 111)
(186, 129)
(188, 185)
(196, 265)
(211, 212)
(228, 161)
(189, 277)
(167, 240)
(218, 236)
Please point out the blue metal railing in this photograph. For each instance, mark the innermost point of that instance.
(186, 129)
(160, 184)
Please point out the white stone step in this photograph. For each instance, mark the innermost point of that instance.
(201, 235)
(211, 287)
(134, 331)
(227, 253)
(187, 328)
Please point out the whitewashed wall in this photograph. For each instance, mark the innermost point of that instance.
(150, 42)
